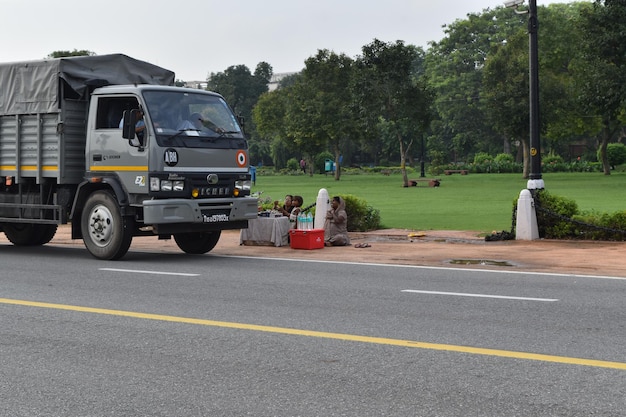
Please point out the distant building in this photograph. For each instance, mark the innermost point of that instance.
(276, 78)
(198, 85)
(273, 84)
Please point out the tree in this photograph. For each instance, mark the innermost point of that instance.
(506, 81)
(602, 71)
(454, 69)
(319, 113)
(391, 98)
(616, 153)
(241, 90)
(269, 116)
(506, 87)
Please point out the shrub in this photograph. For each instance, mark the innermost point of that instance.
(293, 164)
(616, 152)
(482, 158)
(361, 216)
(552, 158)
(320, 159)
(437, 159)
(558, 218)
(554, 215)
(502, 158)
(601, 226)
(504, 162)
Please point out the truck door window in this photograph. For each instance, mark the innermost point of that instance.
(111, 111)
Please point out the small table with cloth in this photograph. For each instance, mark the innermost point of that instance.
(266, 231)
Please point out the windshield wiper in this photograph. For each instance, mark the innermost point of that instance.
(181, 131)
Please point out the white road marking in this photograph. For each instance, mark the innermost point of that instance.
(460, 294)
(141, 271)
(434, 268)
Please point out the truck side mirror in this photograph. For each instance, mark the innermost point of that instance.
(131, 129)
(128, 125)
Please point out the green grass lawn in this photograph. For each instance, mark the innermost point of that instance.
(481, 202)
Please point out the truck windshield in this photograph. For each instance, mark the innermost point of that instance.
(183, 118)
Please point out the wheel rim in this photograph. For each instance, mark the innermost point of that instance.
(100, 229)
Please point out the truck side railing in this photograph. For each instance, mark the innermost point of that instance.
(54, 213)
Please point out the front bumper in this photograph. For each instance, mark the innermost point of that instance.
(209, 210)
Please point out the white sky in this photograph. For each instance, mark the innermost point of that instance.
(196, 37)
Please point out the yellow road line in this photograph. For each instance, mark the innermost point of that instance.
(327, 335)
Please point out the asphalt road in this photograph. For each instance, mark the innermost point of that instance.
(173, 335)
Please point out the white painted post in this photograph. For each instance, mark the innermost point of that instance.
(526, 222)
(322, 204)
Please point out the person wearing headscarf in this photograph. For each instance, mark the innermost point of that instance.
(336, 224)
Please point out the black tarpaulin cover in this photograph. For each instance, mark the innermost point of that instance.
(34, 87)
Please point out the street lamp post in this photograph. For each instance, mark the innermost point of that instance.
(535, 181)
(422, 171)
(526, 221)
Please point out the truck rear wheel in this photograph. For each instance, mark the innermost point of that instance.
(106, 233)
(27, 234)
(197, 243)
(45, 233)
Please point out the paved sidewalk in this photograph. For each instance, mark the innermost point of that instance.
(461, 249)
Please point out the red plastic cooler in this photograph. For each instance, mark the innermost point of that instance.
(306, 239)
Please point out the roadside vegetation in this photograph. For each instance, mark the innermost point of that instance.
(480, 202)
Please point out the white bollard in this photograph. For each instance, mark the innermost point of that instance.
(526, 222)
(321, 207)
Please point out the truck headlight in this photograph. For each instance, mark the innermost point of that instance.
(179, 185)
(166, 185)
(243, 185)
(155, 184)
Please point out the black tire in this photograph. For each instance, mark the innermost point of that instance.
(197, 243)
(106, 233)
(45, 233)
(21, 234)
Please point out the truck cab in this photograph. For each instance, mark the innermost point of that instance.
(173, 162)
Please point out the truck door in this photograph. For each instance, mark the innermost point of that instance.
(110, 153)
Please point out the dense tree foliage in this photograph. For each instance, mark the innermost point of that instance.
(454, 67)
(468, 92)
(602, 69)
(391, 98)
(505, 88)
(320, 116)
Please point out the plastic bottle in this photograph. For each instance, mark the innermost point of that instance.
(300, 221)
(309, 221)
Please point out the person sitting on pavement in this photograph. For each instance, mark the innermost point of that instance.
(336, 224)
(296, 203)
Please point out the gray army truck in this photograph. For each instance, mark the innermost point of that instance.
(108, 144)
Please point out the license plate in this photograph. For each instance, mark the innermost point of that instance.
(214, 217)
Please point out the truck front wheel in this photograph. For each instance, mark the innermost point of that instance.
(106, 233)
(197, 243)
